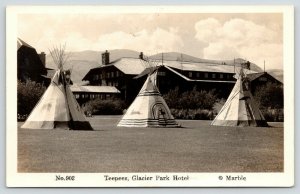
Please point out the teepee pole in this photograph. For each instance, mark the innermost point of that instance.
(60, 58)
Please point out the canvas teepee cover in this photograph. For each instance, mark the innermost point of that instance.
(149, 109)
(240, 108)
(57, 108)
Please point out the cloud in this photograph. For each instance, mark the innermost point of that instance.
(207, 29)
(99, 32)
(271, 53)
(240, 38)
(148, 41)
(218, 50)
(159, 40)
(217, 36)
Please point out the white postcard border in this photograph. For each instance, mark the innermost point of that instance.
(15, 179)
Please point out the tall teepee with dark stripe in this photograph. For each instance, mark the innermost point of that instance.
(240, 108)
(58, 107)
(149, 109)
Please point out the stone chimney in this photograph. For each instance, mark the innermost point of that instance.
(141, 56)
(42, 56)
(105, 58)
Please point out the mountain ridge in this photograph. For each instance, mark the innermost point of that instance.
(189, 58)
(81, 62)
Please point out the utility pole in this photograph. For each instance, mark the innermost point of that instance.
(234, 65)
(181, 62)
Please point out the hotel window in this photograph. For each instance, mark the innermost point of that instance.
(117, 84)
(82, 95)
(107, 75)
(206, 75)
(229, 76)
(100, 76)
(198, 74)
(107, 95)
(117, 74)
(221, 76)
(190, 74)
(112, 74)
(86, 95)
(76, 96)
(213, 75)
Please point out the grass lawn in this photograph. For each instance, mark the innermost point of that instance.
(198, 147)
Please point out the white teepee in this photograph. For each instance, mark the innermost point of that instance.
(149, 109)
(240, 108)
(57, 107)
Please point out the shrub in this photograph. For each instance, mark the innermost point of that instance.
(269, 96)
(172, 97)
(198, 114)
(104, 107)
(273, 115)
(193, 99)
(192, 104)
(29, 93)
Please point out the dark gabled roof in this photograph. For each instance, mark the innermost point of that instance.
(129, 66)
(147, 71)
(21, 42)
(205, 67)
(139, 67)
(254, 76)
(87, 74)
(197, 80)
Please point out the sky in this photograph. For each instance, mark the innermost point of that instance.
(256, 37)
